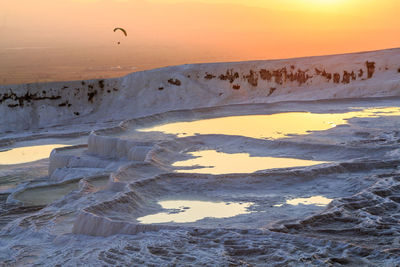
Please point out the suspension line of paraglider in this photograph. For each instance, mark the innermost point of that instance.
(122, 30)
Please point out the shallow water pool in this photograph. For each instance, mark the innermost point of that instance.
(214, 162)
(272, 126)
(185, 211)
(27, 154)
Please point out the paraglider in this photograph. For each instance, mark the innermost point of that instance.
(122, 30)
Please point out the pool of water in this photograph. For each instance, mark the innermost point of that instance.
(186, 211)
(320, 201)
(272, 126)
(27, 154)
(46, 194)
(214, 162)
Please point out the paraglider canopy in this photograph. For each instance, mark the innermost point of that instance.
(121, 29)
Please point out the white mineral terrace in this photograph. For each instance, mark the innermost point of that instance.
(291, 162)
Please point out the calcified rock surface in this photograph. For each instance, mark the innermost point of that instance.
(144, 93)
(84, 205)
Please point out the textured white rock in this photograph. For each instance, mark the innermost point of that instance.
(362, 179)
(200, 85)
(113, 147)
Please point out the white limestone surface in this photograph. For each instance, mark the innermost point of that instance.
(85, 205)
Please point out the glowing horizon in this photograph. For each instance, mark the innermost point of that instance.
(174, 32)
(249, 27)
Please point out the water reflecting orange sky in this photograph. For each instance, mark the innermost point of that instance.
(185, 211)
(214, 162)
(26, 154)
(168, 32)
(314, 200)
(271, 126)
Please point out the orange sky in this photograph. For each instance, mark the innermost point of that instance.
(257, 30)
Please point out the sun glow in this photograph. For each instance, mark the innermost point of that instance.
(324, 2)
(275, 5)
(325, 5)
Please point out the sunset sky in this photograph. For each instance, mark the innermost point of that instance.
(294, 27)
(251, 29)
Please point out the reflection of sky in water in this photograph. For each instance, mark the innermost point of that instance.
(314, 200)
(271, 126)
(27, 154)
(185, 211)
(223, 163)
